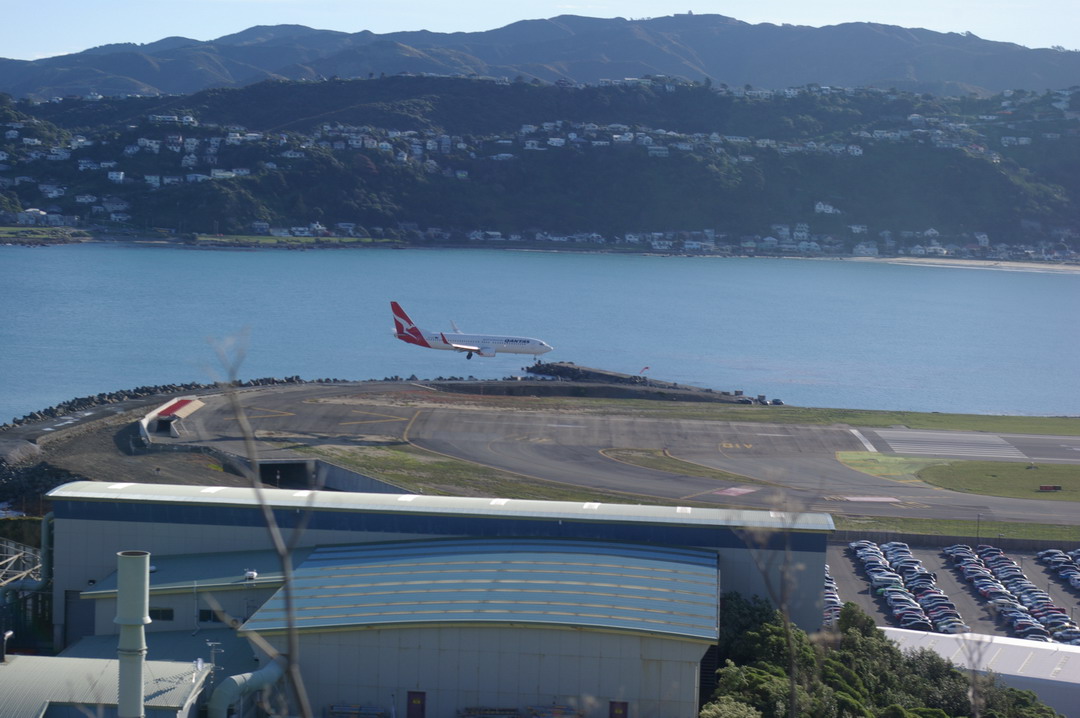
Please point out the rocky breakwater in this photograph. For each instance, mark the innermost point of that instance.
(84, 403)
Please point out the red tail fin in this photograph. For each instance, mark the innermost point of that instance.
(404, 328)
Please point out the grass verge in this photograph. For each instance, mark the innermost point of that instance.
(886, 465)
(1008, 479)
(1053, 425)
(1051, 533)
(1012, 480)
(660, 461)
(424, 472)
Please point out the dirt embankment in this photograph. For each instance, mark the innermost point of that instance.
(109, 451)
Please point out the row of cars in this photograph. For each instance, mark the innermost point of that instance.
(909, 589)
(832, 601)
(1063, 564)
(1011, 595)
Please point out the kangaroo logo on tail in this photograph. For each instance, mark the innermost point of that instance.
(404, 328)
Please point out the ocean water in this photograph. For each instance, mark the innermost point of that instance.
(82, 319)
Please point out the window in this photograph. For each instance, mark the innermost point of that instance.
(206, 615)
(160, 614)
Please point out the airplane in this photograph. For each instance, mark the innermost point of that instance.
(485, 345)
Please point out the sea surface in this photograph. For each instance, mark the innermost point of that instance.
(81, 319)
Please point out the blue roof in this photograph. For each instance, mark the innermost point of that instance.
(599, 585)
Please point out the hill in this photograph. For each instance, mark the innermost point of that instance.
(410, 153)
(565, 48)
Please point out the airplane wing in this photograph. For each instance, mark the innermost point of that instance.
(486, 351)
(463, 347)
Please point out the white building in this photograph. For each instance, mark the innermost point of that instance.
(428, 604)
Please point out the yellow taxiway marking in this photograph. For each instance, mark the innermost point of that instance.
(385, 418)
(270, 414)
(734, 445)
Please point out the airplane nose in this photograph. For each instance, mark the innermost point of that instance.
(547, 347)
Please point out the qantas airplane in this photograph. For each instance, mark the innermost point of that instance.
(485, 345)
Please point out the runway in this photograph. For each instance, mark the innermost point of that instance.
(789, 467)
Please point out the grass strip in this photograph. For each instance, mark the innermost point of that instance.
(1016, 480)
(989, 530)
(887, 466)
(659, 460)
(420, 471)
(1008, 479)
(716, 411)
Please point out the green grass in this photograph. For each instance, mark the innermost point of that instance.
(421, 471)
(714, 411)
(657, 459)
(1008, 479)
(1051, 533)
(1013, 480)
(887, 466)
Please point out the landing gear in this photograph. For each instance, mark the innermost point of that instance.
(469, 355)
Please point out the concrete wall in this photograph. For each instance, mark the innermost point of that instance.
(501, 667)
(339, 478)
(237, 603)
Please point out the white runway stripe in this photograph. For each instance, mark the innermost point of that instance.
(864, 440)
(949, 444)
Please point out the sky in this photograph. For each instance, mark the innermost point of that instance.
(45, 28)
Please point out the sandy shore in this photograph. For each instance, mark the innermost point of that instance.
(1004, 266)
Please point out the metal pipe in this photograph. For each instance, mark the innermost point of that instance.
(132, 607)
(233, 688)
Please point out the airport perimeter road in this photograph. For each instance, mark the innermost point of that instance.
(792, 467)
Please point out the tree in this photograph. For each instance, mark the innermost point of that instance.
(728, 707)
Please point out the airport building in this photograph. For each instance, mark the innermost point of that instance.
(433, 606)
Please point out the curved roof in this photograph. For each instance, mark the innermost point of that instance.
(605, 586)
(416, 504)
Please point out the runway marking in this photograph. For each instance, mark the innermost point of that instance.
(864, 440)
(270, 414)
(770, 435)
(388, 417)
(864, 499)
(737, 491)
(935, 443)
(732, 445)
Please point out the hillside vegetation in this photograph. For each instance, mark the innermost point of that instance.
(462, 155)
(857, 673)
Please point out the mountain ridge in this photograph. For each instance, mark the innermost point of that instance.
(573, 48)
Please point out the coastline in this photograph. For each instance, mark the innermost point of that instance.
(991, 264)
(159, 242)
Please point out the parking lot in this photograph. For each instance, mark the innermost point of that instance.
(852, 585)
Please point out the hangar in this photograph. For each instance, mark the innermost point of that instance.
(430, 605)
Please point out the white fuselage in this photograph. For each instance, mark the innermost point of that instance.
(487, 344)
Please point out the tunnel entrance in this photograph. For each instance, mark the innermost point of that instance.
(287, 474)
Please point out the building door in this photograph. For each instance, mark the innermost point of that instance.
(618, 709)
(415, 707)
